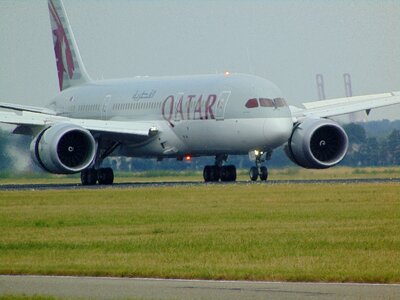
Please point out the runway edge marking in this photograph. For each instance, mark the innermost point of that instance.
(202, 280)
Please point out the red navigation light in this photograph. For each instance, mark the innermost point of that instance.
(188, 158)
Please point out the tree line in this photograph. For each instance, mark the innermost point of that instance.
(367, 150)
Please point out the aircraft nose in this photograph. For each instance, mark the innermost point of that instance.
(277, 131)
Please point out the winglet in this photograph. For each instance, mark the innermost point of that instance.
(70, 68)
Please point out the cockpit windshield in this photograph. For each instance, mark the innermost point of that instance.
(280, 102)
(265, 102)
(252, 103)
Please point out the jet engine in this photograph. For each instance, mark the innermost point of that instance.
(317, 144)
(64, 149)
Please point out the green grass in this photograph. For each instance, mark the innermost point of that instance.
(255, 232)
(39, 297)
(24, 297)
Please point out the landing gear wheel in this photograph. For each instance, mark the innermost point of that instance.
(263, 173)
(232, 172)
(214, 173)
(218, 171)
(211, 173)
(89, 177)
(206, 173)
(253, 173)
(228, 173)
(105, 176)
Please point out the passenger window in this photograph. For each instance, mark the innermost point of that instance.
(265, 102)
(252, 103)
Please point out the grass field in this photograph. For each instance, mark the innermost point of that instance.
(258, 232)
(23, 297)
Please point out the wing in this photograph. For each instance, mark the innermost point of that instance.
(342, 106)
(134, 131)
(18, 107)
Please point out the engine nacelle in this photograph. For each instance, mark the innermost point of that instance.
(317, 144)
(64, 149)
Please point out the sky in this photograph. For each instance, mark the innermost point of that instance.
(285, 41)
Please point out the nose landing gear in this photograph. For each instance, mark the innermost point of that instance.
(259, 171)
(256, 172)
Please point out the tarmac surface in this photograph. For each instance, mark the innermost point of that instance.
(139, 288)
(13, 187)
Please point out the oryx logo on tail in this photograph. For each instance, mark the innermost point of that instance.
(69, 64)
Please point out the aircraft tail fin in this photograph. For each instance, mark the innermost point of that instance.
(70, 68)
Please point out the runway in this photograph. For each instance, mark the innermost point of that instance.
(132, 185)
(137, 288)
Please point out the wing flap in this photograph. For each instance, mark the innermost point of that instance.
(133, 129)
(142, 129)
(26, 118)
(35, 109)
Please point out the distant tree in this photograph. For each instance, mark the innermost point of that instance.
(381, 128)
(393, 147)
(369, 153)
(356, 133)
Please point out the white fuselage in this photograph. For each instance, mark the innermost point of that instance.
(196, 115)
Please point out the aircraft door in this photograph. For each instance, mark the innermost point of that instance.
(221, 105)
(104, 109)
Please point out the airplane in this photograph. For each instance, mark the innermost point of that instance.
(175, 117)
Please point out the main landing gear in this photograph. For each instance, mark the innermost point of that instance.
(103, 176)
(259, 171)
(218, 171)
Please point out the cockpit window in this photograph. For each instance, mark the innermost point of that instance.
(265, 102)
(280, 102)
(252, 103)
